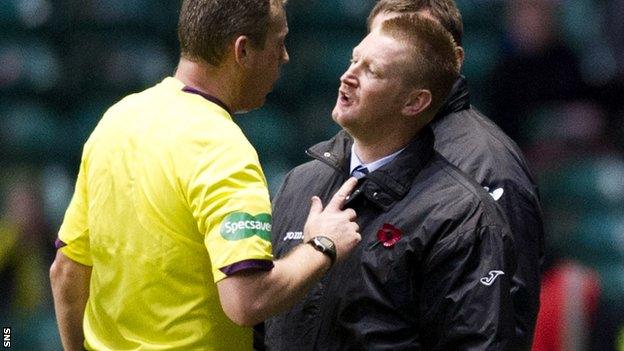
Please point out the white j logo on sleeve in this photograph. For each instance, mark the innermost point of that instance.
(492, 275)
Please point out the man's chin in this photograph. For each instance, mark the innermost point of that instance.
(339, 116)
(343, 120)
(334, 115)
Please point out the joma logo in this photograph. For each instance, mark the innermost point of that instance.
(492, 275)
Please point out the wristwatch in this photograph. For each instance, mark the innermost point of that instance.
(324, 245)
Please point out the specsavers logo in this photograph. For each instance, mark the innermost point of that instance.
(241, 225)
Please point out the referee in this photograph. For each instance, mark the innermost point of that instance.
(166, 242)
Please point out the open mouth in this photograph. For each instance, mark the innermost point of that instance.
(344, 97)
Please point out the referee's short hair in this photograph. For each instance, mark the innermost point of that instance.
(206, 27)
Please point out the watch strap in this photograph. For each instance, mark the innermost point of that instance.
(324, 245)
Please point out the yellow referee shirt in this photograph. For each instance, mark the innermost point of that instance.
(170, 199)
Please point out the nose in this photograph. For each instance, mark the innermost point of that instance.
(349, 78)
(285, 56)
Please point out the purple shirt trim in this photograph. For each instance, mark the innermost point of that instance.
(208, 97)
(263, 265)
(58, 243)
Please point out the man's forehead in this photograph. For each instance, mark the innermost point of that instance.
(378, 44)
(279, 23)
(356, 50)
(278, 14)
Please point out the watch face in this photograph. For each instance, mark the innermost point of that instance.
(324, 245)
(325, 242)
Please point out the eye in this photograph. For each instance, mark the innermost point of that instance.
(373, 72)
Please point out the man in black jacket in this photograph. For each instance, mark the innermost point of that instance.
(473, 143)
(433, 269)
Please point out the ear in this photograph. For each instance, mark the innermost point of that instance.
(417, 102)
(242, 50)
(460, 55)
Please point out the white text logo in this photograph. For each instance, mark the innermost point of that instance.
(6, 337)
(293, 236)
(496, 193)
(492, 275)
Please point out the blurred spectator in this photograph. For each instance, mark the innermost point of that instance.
(537, 66)
(23, 260)
(615, 13)
(25, 255)
(575, 315)
(569, 300)
(608, 331)
(560, 132)
(582, 306)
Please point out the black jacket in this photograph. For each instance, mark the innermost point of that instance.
(436, 288)
(475, 145)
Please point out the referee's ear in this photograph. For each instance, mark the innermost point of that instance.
(242, 50)
(460, 56)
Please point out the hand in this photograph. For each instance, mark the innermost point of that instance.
(334, 222)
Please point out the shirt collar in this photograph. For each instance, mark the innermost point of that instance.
(208, 97)
(372, 166)
(392, 181)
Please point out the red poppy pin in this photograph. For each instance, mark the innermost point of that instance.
(388, 235)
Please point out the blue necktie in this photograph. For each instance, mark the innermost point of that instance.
(359, 171)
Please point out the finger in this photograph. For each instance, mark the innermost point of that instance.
(316, 207)
(339, 198)
(351, 215)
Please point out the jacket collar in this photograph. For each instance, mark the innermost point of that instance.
(458, 99)
(388, 184)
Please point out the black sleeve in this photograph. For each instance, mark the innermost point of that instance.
(524, 214)
(465, 297)
(277, 205)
